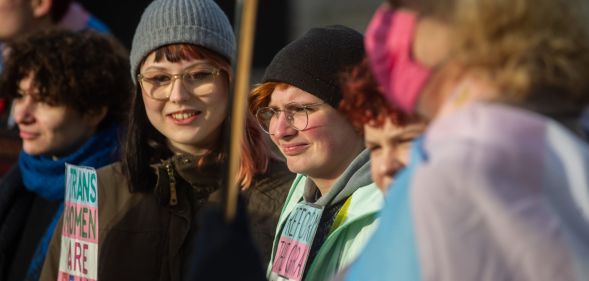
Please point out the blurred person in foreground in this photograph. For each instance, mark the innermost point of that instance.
(497, 188)
(71, 93)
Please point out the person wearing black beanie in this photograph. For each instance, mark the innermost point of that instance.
(313, 63)
(332, 205)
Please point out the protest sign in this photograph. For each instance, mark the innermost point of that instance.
(79, 238)
(295, 242)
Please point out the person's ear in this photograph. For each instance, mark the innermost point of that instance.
(41, 8)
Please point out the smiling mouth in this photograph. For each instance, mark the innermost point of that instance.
(24, 135)
(292, 150)
(184, 115)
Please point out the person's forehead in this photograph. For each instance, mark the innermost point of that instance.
(164, 64)
(26, 82)
(281, 97)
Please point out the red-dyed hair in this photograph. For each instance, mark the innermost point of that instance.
(260, 95)
(144, 144)
(363, 101)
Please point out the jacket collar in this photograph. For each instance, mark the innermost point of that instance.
(184, 170)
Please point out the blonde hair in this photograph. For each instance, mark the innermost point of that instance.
(524, 45)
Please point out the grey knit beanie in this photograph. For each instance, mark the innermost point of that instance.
(198, 22)
(314, 62)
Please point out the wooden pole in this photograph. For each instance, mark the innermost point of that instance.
(245, 27)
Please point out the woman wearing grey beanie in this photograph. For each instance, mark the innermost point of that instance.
(173, 160)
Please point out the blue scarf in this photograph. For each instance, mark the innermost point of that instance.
(45, 177)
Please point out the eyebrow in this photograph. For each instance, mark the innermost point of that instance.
(411, 133)
(161, 68)
(303, 103)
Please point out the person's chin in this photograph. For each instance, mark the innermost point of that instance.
(32, 150)
(185, 137)
(295, 166)
(384, 187)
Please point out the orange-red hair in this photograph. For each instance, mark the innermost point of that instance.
(260, 95)
(363, 101)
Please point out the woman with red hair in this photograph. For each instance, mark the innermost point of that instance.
(173, 158)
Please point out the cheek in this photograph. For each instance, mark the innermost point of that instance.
(374, 164)
(403, 154)
(378, 177)
(216, 111)
(342, 137)
(58, 131)
(331, 146)
(152, 106)
(339, 136)
(320, 139)
(218, 105)
(50, 122)
(8, 11)
(153, 109)
(12, 21)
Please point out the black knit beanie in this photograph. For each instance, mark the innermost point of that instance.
(314, 62)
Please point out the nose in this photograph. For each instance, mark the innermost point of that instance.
(178, 92)
(281, 127)
(390, 165)
(23, 110)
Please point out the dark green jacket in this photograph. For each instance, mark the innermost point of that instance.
(146, 236)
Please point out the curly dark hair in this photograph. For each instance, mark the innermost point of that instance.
(85, 71)
(363, 101)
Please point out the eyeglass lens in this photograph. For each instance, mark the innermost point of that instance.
(158, 84)
(296, 115)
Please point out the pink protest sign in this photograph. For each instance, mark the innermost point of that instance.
(295, 242)
(79, 238)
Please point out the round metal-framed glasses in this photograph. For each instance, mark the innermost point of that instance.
(297, 116)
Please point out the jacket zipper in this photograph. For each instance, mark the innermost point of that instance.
(173, 194)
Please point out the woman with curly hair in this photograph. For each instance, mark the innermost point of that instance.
(498, 186)
(388, 132)
(71, 92)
